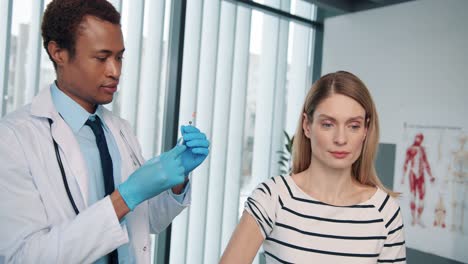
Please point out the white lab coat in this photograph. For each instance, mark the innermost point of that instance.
(37, 221)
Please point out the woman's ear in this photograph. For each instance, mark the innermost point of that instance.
(306, 125)
(366, 128)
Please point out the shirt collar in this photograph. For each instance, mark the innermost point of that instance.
(73, 113)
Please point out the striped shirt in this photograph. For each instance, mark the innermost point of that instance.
(300, 229)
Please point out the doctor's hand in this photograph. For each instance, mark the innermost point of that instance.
(154, 177)
(197, 148)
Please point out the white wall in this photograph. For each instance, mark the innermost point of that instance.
(412, 56)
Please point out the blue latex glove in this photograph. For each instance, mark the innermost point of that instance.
(153, 177)
(197, 148)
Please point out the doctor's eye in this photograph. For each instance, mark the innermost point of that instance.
(101, 59)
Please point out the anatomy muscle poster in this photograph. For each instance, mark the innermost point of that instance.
(432, 174)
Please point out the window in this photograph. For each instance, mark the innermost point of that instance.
(22, 65)
(245, 74)
(142, 91)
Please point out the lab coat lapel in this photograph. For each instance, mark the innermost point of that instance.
(42, 106)
(68, 144)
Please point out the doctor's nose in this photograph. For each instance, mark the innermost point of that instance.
(113, 69)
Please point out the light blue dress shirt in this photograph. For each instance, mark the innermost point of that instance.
(75, 116)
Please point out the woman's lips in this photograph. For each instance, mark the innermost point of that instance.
(339, 154)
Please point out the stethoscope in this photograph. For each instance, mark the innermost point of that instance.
(62, 170)
(135, 160)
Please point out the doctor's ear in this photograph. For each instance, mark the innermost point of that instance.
(306, 125)
(58, 54)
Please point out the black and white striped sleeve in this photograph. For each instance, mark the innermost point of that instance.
(394, 248)
(261, 205)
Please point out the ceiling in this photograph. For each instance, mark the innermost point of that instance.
(337, 7)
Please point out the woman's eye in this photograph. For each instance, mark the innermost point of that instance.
(355, 127)
(327, 125)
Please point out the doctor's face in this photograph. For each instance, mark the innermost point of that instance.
(91, 77)
(337, 132)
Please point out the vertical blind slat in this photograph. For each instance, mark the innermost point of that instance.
(298, 83)
(277, 136)
(206, 83)
(149, 87)
(34, 47)
(6, 8)
(188, 105)
(236, 117)
(130, 79)
(219, 135)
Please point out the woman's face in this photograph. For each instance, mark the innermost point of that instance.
(337, 132)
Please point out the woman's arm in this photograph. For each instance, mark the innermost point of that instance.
(394, 249)
(244, 243)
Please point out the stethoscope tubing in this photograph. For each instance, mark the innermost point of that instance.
(136, 162)
(62, 171)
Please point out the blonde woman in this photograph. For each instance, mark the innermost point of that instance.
(333, 207)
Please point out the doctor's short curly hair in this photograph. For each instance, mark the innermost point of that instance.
(62, 19)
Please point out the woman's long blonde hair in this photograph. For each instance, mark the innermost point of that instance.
(345, 83)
